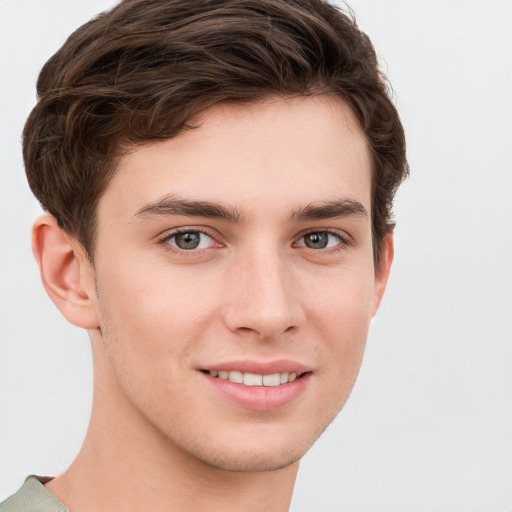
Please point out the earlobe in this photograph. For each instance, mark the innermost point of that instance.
(66, 272)
(382, 270)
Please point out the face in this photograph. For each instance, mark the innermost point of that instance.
(235, 281)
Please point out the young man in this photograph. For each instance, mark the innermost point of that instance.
(218, 178)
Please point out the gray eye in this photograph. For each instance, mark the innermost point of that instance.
(318, 240)
(191, 240)
(188, 240)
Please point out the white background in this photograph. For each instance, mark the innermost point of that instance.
(429, 424)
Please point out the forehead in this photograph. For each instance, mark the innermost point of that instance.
(282, 152)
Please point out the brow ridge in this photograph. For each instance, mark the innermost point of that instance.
(172, 205)
(329, 210)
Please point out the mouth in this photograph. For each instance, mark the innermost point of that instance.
(254, 379)
(259, 386)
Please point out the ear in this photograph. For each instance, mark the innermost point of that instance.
(66, 272)
(382, 270)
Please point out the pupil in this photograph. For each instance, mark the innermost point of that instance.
(317, 240)
(187, 240)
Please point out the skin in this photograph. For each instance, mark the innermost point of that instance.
(259, 287)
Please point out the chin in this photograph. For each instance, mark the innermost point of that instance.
(261, 451)
(246, 462)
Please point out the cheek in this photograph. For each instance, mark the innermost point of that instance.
(154, 313)
(148, 336)
(343, 305)
(342, 317)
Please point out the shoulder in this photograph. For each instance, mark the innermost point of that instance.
(33, 497)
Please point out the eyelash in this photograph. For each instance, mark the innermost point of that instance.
(343, 241)
(164, 241)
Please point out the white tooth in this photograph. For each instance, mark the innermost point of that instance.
(272, 380)
(235, 376)
(284, 377)
(292, 377)
(250, 379)
(214, 373)
(223, 375)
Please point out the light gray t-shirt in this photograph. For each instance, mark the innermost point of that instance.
(33, 496)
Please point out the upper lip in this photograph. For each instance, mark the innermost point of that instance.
(259, 367)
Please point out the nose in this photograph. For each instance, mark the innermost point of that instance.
(263, 298)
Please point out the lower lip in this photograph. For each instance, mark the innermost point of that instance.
(260, 398)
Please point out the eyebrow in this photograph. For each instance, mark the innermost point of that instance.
(329, 210)
(171, 205)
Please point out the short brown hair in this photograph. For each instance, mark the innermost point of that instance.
(141, 71)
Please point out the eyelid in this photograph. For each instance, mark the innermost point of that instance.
(345, 240)
(169, 234)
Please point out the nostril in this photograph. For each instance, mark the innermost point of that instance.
(267, 319)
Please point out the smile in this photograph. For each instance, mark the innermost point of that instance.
(253, 379)
(258, 385)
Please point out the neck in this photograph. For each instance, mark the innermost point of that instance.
(126, 464)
